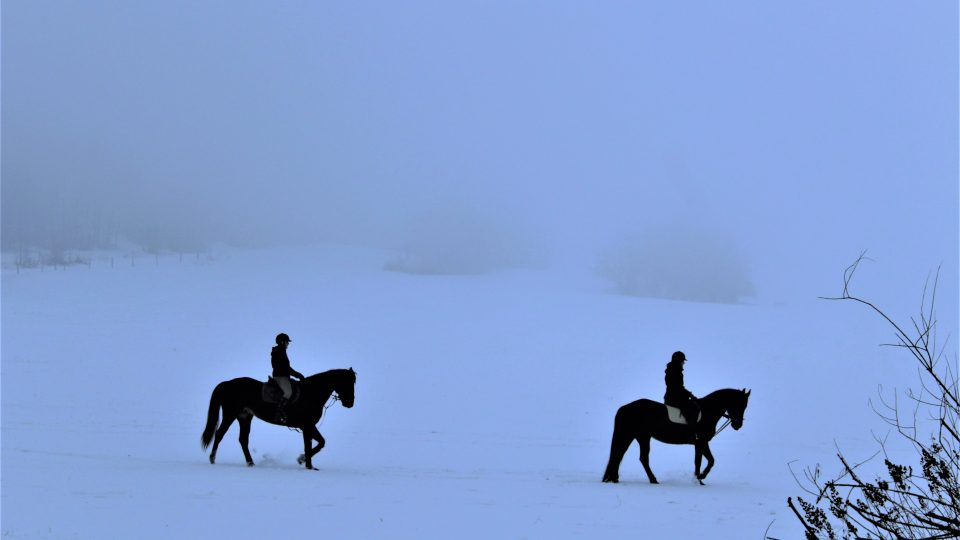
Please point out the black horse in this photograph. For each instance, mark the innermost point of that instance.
(644, 419)
(241, 399)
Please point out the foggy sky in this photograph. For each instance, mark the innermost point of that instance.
(796, 129)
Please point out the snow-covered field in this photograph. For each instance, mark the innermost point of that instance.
(484, 404)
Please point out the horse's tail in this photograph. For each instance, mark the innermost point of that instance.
(213, 416)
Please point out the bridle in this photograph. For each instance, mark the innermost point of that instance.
(334, 397)
(730, 419)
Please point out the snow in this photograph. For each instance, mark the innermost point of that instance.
(484, 403)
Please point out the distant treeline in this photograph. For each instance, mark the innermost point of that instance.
(72, 232)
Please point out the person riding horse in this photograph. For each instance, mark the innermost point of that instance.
(677, 395)
(282, 373)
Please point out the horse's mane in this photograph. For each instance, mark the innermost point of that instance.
(329, 373)
(724, 393)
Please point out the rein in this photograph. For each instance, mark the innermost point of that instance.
(727, 423)
(330, 402)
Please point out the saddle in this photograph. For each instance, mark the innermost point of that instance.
(674, 415)
(271, 392)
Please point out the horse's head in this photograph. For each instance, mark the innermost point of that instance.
(343, 385)
(737, 409)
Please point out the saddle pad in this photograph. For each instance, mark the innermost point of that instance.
(271, 392)
(673, 413)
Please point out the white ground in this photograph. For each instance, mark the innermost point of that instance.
(484, 404)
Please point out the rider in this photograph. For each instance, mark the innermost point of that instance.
(282, 373)
(677, 395)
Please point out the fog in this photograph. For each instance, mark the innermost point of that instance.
(797, 134)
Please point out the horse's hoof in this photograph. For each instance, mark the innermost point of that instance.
(608, 480)
(654, 481)
(213, 460)
(249, 464)
(301, 459)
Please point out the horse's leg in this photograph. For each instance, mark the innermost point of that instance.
(321, 442)
(697, 459)
(645, 457)
(245, 421)
(709, 455)
(310, 434)
(618, 447)
(228, 418)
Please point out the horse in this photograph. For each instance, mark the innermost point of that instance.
(241, 399)
(644, 419)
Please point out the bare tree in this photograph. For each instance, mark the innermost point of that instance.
(919, 500)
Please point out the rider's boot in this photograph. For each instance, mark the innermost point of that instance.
(282, 411)
(691, 414)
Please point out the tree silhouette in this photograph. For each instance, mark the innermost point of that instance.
(918, 500)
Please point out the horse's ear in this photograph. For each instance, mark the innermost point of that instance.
(747, 392)
(351, 370)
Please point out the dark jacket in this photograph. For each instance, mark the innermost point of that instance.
(281, 364)
(676, 393)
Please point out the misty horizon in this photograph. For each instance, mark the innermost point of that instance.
(542, 128)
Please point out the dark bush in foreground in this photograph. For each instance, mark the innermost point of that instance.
(916, 500)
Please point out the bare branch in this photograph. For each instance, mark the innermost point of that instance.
(902, 503)
(800, 517)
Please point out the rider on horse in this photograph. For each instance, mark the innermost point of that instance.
(677, 395)
(282, 373)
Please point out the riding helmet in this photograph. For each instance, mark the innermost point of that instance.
(678, 357)
(283, 338)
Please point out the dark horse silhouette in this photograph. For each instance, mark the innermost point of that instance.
(644, 419)
(241, 399)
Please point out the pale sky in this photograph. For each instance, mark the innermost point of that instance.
(803, 130)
